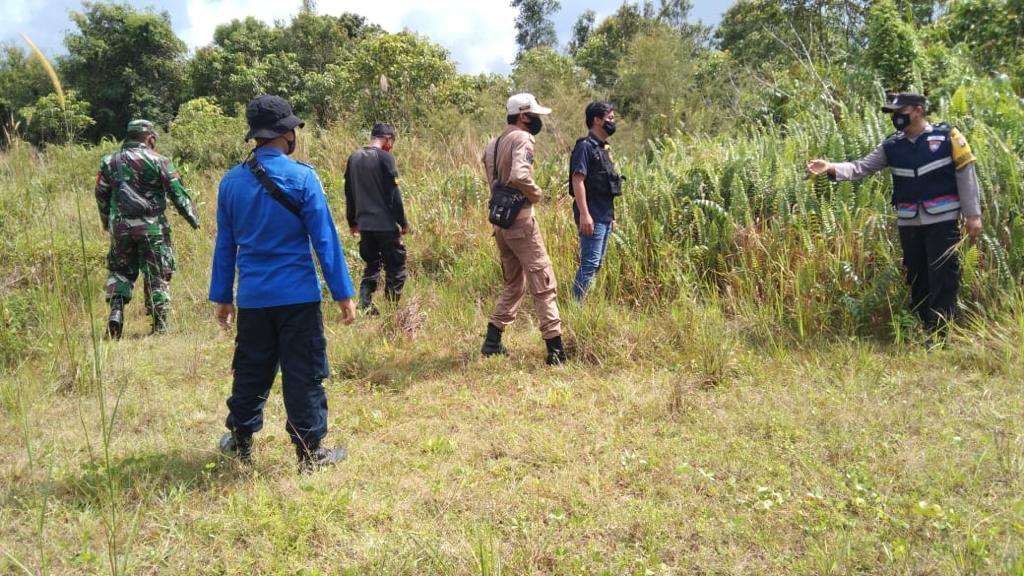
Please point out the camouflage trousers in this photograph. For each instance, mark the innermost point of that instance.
(135, 245)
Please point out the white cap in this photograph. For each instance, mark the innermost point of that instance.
(525, 104)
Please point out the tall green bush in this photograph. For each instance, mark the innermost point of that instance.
(892, 47)
(202, 135)
(47, 122)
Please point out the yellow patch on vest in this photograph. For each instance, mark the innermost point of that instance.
(962, 155)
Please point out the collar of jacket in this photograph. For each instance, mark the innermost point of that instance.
(598, 141)
(268, 152)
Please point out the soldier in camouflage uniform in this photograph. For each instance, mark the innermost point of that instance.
(132, 189)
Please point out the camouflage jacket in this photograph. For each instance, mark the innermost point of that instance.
(134, 184)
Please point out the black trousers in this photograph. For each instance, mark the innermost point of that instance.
(381, 250)
(292, 338)
(933, 270)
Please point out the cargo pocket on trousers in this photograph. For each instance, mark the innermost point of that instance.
(541, 278)
(318, 360)
(516, 233)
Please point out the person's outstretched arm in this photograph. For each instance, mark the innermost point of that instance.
(856, 170)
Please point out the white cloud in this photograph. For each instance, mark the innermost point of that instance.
(15, 12)
(479, 34)
(205, 15)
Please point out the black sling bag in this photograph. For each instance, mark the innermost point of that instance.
(506, 202)
(260, 173)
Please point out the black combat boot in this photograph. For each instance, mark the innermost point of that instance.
(492, 343)
(366, 305)
(160, 323)
(115, 324)
(314, 457)
(235, 445)
(556, 352)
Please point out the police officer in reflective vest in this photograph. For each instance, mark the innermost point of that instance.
(934, 183)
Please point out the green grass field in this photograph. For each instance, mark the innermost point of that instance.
(748, 395)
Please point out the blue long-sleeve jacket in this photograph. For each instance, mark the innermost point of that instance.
(271, 248)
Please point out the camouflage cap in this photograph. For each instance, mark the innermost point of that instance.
(140, 126)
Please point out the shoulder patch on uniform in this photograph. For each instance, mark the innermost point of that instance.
(304, 164)
(962, 155)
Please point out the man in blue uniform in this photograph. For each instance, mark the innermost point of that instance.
(934, 183)
(272, 214)
(593, 183)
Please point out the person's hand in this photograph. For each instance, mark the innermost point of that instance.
(586, 225)
(348, 311)
(974, 227)
(819, 167)
(354, 230)
(225, 314)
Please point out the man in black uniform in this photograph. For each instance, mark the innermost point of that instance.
(594, 183)
(933, 185)
(376, 214)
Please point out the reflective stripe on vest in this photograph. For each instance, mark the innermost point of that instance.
(922, 173)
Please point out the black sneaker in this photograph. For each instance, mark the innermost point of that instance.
(235, 445)
(316, 457)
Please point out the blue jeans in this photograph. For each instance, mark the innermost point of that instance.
(592, 251)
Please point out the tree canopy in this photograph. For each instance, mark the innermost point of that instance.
(767, 60)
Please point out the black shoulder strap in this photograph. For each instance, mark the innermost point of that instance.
(260, 173)
(494, 159)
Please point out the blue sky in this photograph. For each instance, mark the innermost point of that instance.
(479, 33)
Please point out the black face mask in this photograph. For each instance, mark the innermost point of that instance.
(609, 127)
(900, 121)
(535, 125)
(291, 146)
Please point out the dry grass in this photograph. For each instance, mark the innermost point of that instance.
(695, 435)
(818, 463)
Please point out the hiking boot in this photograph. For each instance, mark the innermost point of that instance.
(235, 445)
(556, 352)
(314, 457)
(366, 305)
(492, 343)
(160, 323)
(115, 324)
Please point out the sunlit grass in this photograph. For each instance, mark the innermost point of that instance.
(749, 393)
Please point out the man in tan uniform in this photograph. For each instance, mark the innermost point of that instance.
(524, 259)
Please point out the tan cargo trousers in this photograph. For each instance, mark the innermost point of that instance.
(525, 264)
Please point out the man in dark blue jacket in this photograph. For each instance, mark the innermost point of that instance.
(594, 183)
(272, 214)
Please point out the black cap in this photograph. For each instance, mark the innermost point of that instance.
(269, 117)
(897, 101)
(382, 130)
